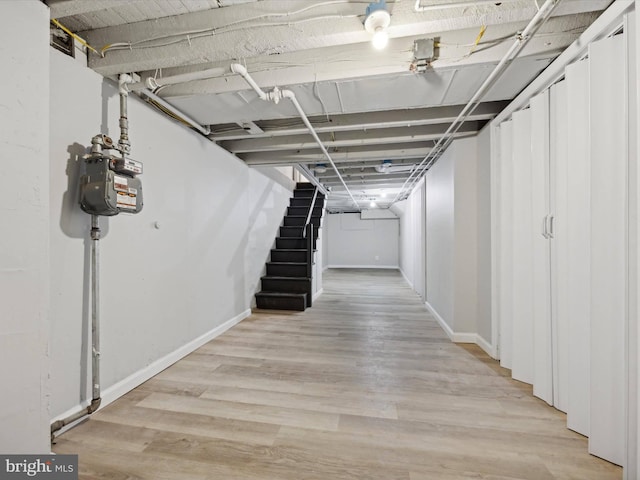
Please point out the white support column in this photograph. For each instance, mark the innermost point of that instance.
(24, 216)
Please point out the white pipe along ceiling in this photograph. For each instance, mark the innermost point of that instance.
(366, 124)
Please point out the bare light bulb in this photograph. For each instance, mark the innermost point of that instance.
(380, 39)
(372, 204)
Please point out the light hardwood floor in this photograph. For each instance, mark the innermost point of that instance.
(365, 385)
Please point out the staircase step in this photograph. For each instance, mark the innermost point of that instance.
(287, 269)
(290, 231)
(286, 284)
(301, 185)
(304, 211)
(288, 255)
(305, 202)
(306, 193)
(299, 221)
(296, 232)
(281, 301)
(296, 243)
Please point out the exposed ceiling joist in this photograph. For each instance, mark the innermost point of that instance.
(354, 154)
(346, 167)
(371, 137)
(364, 121)
(370, 180)
(330, 175)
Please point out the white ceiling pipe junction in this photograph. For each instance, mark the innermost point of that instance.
(145, 89)
(153, 83)
(275, 96)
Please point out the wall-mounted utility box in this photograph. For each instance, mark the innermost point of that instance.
(109, 185)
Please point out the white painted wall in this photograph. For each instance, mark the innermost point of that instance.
(441, 236)
(483, 202)
(413, 239)
(406, 241)
(161, 288)
(24, 215)
(452, 247)
(466, 236)
(353, 242)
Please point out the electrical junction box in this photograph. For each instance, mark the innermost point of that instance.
(424, 52)
(109, 185)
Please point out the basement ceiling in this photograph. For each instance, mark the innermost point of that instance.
(370, 107)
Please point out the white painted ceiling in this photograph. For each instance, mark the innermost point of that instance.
(367, 105)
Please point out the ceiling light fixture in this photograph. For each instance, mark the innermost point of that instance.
(372, 204)
(376, 22)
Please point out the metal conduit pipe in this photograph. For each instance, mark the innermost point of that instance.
(123, 143)
(126, 85)
(521, 40)
(292, 96)
(152, 83)
(152, 96)
(96, 399)
(95, 311)
(275, 96)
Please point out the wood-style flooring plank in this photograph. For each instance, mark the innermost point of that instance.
(364, 385)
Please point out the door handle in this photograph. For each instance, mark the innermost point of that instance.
(545, 232)
(551, 227)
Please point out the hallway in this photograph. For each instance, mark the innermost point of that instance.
(364, 385)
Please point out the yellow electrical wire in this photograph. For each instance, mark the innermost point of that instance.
(478, 38)
(168, 113)
(69, 32)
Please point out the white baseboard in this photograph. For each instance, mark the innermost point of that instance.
(461, 337)
(317, 294)
(132, 381)
(487, 347)
(406, 279)
(386, 267)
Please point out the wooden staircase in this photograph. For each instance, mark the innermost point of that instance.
(288, 282)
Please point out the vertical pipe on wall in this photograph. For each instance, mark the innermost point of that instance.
(124, 146)
(95, 334)
(95, 308)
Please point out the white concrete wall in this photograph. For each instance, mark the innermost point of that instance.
(24, 216)
(407, 240)
(465, 236)
(441, 241)
(458, 248)
(352, 242)
(161, 287)
(483, 199)
(412, 239)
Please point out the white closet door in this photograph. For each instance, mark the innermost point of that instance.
(559, 243)
(578, 238)
(542, 342)
(522, 324)
(505, 261)
(607, 75)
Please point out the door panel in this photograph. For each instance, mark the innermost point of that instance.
(608, 247)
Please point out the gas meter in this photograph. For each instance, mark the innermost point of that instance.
(110, 185)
